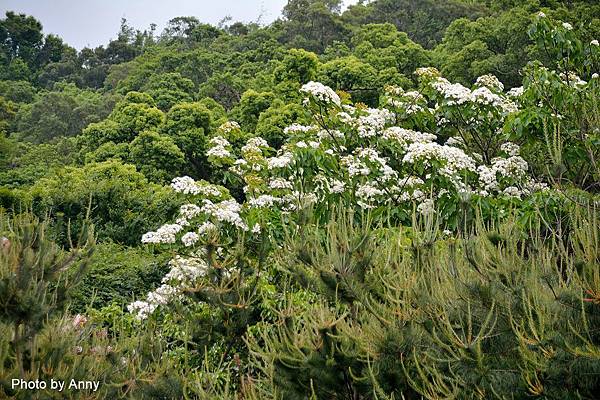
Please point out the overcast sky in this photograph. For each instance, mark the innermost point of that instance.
(93, 22)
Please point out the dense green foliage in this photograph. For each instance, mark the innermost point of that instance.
(117, 275)
(395, 201)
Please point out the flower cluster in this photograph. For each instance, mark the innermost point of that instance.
(488, 92)
(225, 211)
(183, 273)
(507, 176)
(168, 233)
(453, 159)
(185, 185)
(281, 161)
(489, 81)
(572, 79)
(373, 122)
(165, 234)
(409, 103)
(405, 136)
(427, 73)
(219, 148)
(515, 92)
(321, 92)
(454, 93)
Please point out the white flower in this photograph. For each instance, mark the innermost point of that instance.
(280, 183)
(442, 121)
(489, 81)
(185, 185)
(388, 173)
(162, 295)
(512, 191)
(414, 95)
(541, 14)
(141, 309)
(427, 72)
(208, 189)
(533, 186)
(218, 141)
(515, 92)
(371, 155)
(281, 161)
(410, 102)
(189, 211)
(455, 141)
(337, 186)
(513, 167)
(150, 237)
(256, 229)
(454, 93)
(321, 92)
(297, 128)
(567, 26)
(264, 200)
(455, 159)
(218, 149)
(164, 234)
(406, 136)
(483, 95)
(367, 192)
(355, 167)
(225, 211)
(572, 79)
(510, 148)
(329, 134)
(410, 181)
(374, 122)
(185, 270)
(595, 76)
(189, 239)
(346, 118)
(253, 145)
(394, 90)
(594, 43)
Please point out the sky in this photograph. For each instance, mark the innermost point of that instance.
(94, 22)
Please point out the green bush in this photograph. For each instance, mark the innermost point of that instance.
(117, 198)
(118, 274)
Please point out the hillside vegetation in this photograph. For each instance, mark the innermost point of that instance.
(396, 201)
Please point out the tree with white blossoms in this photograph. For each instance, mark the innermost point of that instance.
(214, 278)
(363, 158)
(439, 146)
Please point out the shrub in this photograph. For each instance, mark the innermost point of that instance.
(118, 274)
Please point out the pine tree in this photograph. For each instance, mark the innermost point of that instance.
(36, 276)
